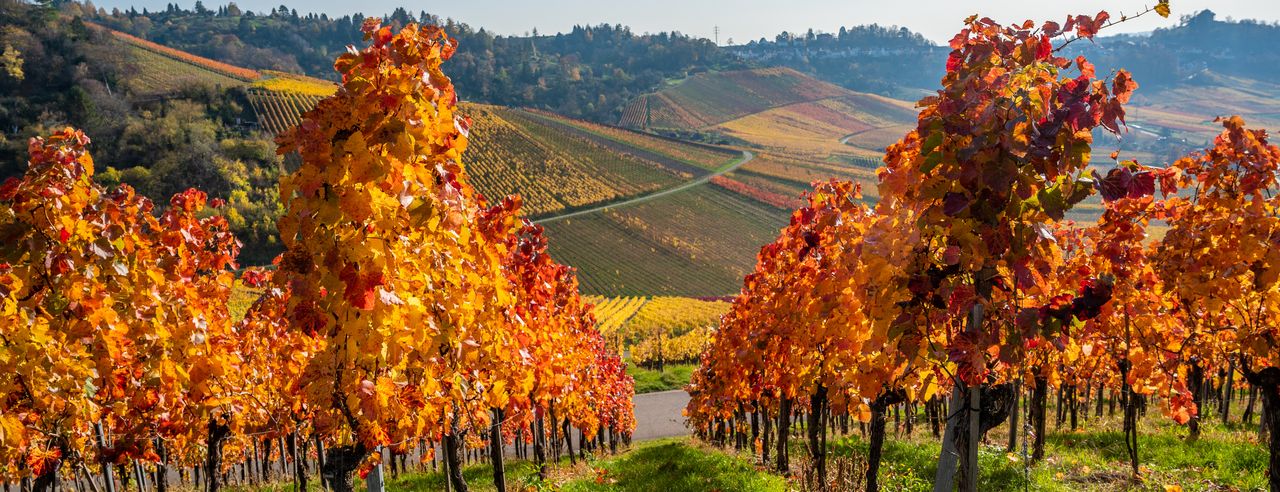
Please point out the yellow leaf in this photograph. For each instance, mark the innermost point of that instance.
(1162, 8)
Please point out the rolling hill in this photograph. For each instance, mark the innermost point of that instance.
(557, 164)
(699, 241)
(711, 98)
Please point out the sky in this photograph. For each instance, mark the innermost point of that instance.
(746, 20)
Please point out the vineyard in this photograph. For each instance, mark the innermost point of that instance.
(971, 292)
(230, 71)
(696, 242)
(1187, 112)
(966, 293)
(702, 156)
(708, 99)
(814, 129)
(513, 151)
(163, 71)
(659, 330)
(407, 316)
(279, 111)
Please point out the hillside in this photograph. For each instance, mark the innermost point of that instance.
(696, 242)
(589, 72)
(555, 163)
(711, 98)
(699, 241)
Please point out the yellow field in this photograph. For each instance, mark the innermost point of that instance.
(670, 328)
(298, 84)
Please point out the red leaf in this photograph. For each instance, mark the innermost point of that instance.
(1086, 68)
(1143, 184)
(1051, 29)
(362, 288)
(1069, 25)
(1085, 26)
(382, 37)
(1123, 86)
(9, 189)
(955, 61)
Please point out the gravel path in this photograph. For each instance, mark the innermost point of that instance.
(659, 415)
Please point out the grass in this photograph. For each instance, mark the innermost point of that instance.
(675, 376)
(667, 465)
(479, 478)
(675, 465)
(1226, 457)
(1093, 458)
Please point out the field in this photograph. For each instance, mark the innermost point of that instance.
(697, 242)
(513, 151)
(707, 99)
(702, 156)
(1187, 111)
(278, 111)
(159, 73)
(814, 129)
(793, 176)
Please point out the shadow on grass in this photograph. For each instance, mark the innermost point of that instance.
(910, 466)
(478, 477)
(677, 466)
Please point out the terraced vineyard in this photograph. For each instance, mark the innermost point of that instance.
(280, 99)
(512, 151)
(707, 99)
(796, 175)
(278, 111)
(814, 129)
(666, 328)
(696, 242)
(240, 74)
(162, 70)
(703, 156)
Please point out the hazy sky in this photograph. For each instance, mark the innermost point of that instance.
(749, 19)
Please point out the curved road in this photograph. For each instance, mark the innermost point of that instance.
(747, 155)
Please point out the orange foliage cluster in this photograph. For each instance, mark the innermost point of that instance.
(404, 309)
(968, 276)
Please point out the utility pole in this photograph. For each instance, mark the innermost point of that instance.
(717, 31)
